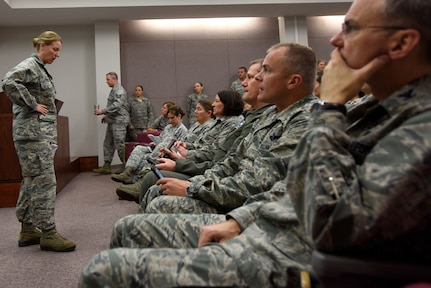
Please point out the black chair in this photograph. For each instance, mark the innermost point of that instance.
(339, 271)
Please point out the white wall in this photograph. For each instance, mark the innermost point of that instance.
(168, 57)
(73, 74)
(320, 31)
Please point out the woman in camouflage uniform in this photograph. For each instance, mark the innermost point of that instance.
(161, 121)
(140, 112)
(29, 86)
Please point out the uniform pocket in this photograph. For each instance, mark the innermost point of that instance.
(26, 128)
(35, 158)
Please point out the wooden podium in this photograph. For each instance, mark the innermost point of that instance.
(10, 170)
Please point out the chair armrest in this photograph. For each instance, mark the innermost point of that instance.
(142, 137)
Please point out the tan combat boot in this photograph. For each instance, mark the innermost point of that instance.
(29, 235)
(105, 169)
(121, 169)
(51, 240)
(125, 177)
(130, 192)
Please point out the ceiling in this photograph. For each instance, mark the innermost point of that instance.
(80, 12)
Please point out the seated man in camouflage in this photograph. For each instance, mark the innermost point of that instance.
(287, 81)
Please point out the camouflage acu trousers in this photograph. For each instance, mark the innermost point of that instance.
(175, 204)
(164, 267)
(138, 158)
(115, 139)
(149, 190)
(153, 201)
(38, 187)
(156, 231)
(163, 254)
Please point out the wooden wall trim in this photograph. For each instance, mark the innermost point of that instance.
(9, 190)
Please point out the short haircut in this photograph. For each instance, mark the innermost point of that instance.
(257, 61)
(299, 59)
(112, 74)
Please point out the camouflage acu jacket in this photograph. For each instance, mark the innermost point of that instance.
(365, 189)
(261, 159)
(215, 137)
(116, 108)
(27, 85)
(140, 112)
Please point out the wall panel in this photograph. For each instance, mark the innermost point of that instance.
(168, 57)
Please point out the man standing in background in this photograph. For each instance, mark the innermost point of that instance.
(117, 118)
(237, 84)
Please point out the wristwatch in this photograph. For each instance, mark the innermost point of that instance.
(322, 106)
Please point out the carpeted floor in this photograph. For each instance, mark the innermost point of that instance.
(85, 212)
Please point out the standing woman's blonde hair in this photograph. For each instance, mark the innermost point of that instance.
(47, 38)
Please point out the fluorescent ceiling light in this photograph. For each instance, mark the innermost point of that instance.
(34, 4)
